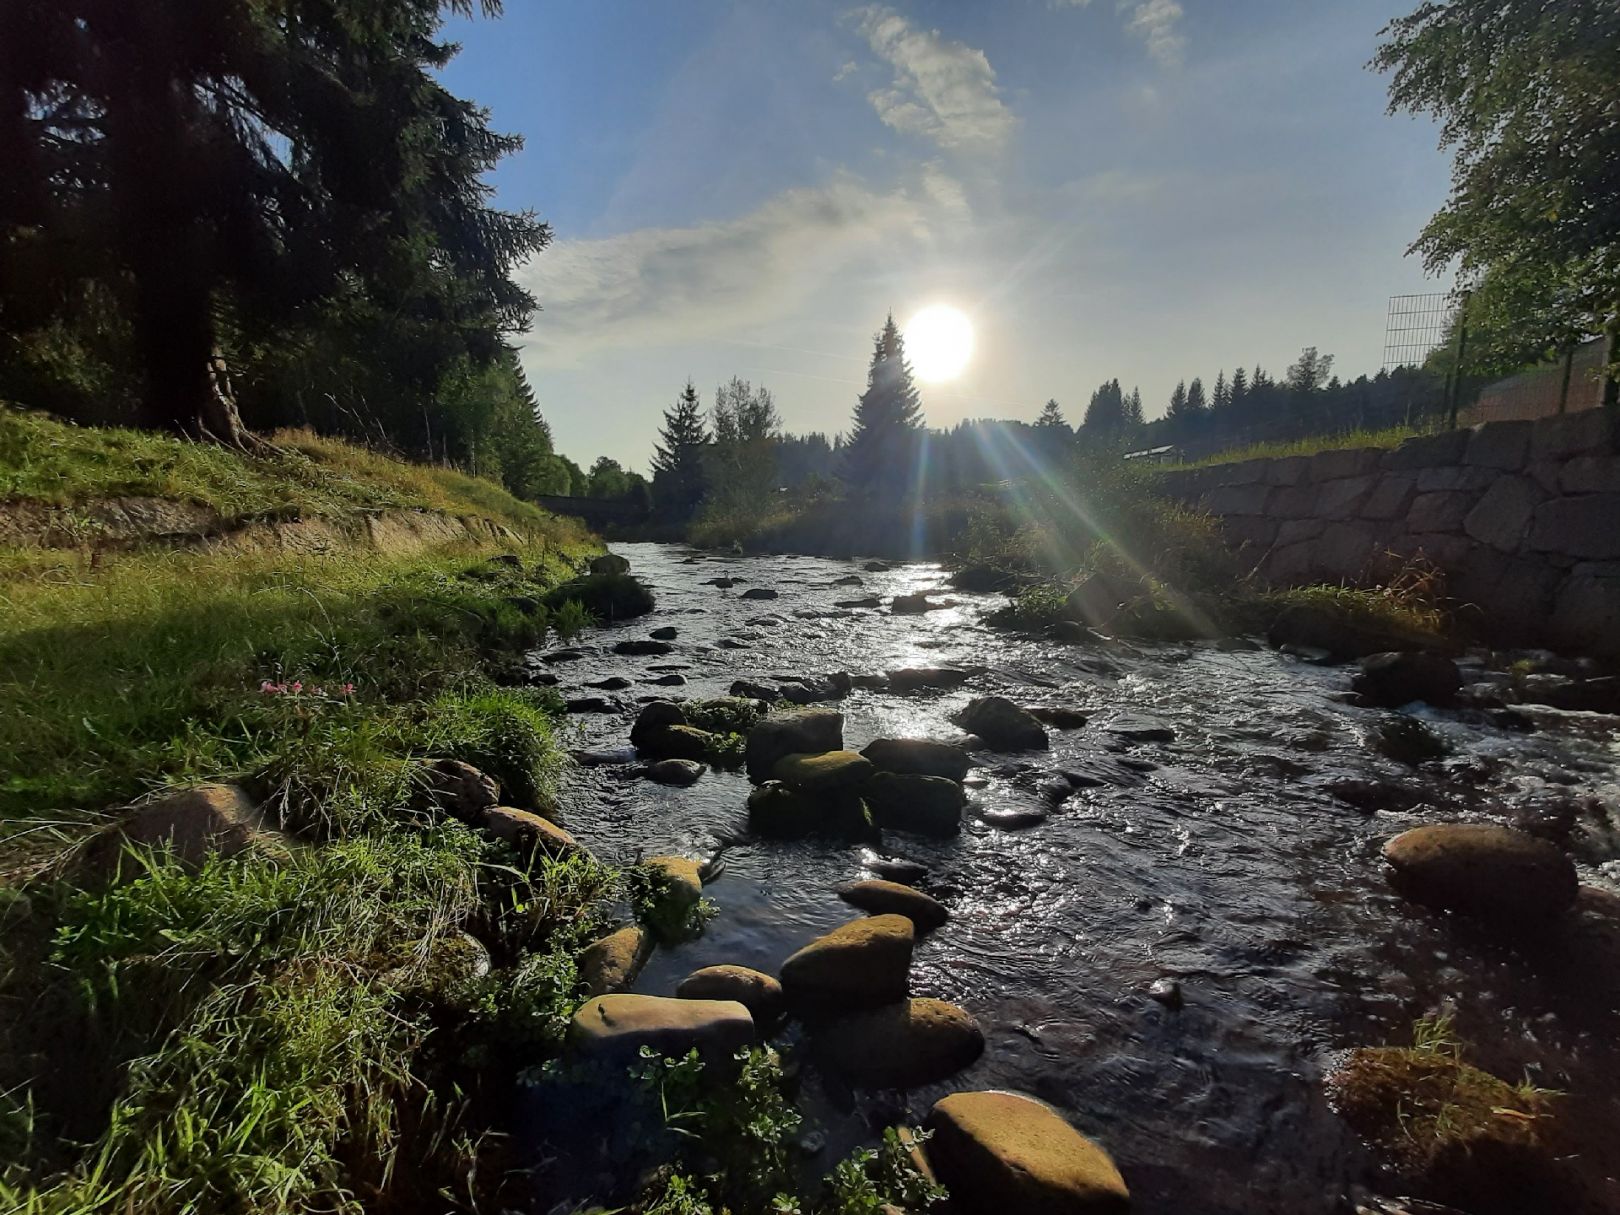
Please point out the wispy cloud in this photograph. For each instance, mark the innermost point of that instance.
(1158, 24)
(664, 285)
(943, 90)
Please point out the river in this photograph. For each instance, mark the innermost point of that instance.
(1222, 860)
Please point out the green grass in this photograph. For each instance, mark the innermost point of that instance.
(302, 474)
(1390, 437)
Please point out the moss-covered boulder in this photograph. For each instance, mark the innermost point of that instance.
(901, 1045)
(608, 597)
(614, 1028)
(778, 811)
(808, 732)
(828, 772)
(1001, 1152)
(676, 886)
(918, 757)
(528, 832)
(681, 742)
(609, 563)
(880, 897)
(612, 963)
(1003, 725)
(862, 963)
(1491, 872)
(755, 990)
(922, 805)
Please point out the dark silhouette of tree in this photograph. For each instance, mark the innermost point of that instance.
(1526, 94)
(1310, 371)
(1177, 409)
(742, 459)
(1051, 416)
(1196, 404)
(1105, 420)
(1134, 421)
(888, 419)
(1221, 399)
(1240, 390)
(221, 172)
(678, 458)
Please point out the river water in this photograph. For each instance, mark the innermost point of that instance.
(1221, 860)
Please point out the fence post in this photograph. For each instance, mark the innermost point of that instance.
(1454, 382)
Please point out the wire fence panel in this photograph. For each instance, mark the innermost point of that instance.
(1415, 326)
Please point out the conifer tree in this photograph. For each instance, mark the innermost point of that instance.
(888, 419)
(1105, 415)
(1240, 387)
(1051, 416)
(1221, 400)
(1133, 410)
(1195, 397)
(1178, 402)
(678, 458)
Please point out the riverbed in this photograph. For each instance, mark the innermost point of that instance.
(1227, 860)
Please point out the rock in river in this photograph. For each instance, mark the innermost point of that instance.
(809, 732)
(1401, 677)
(678, 772)
(825, 773)
(643, 645)
(1001, 1152)
(667, 633)
(614, 961)
(1141, 729)
(891, 898)
(911, 679)
(779, 812)
(756, 991)
(1059, 717)
(901, 1045)
(918, 757)
(1480, 869)
(861, 963)
(614, 1028)
(1002, 724)
(923, 805)
(759, 592)
(609, 563)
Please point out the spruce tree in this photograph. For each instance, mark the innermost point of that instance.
(888, 419)
(1051, 416)
(1105, 414)
(1178, 402)
(1195, 397)
(1134, 420)
(1240, 387)
(678, 458)
(1221, 401)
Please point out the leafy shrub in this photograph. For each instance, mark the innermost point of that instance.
(607, 597)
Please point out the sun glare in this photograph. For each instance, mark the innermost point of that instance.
(939, 342)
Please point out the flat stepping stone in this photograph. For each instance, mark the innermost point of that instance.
(616, 1027)
(861, 963)
(612, 963)
(891, 898)
(1140, 729)
(756, 991)
(902, 1045)
(918, 757)
(825, 773)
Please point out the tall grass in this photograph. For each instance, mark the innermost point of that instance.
(1309, 445)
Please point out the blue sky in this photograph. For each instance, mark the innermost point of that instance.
(1147, 189)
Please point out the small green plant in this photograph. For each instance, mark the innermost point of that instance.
(570, 619)
(874, 1179)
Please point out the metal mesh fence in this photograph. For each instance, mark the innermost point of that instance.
(1415, 325)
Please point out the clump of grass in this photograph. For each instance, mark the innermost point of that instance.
(1309, 445)
(1398, 611)
(1456, 1132)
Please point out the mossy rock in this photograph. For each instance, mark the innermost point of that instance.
(828, 772)
(901, 1045)
(857, 965)
(608, 597)
(779, 812)
(922, 805)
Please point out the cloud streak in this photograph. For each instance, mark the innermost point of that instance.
(656, 286)
(942, 90)
(1157, 23)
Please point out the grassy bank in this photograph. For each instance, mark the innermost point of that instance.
(1389, 436)
(299, 1026)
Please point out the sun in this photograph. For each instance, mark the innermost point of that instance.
(939, 341)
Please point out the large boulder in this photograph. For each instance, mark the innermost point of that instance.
(678, 772)
(654, 717)
(861, 963)
(528, 832)
(922, 805)
(878, 897)
(758, 992)
(1002, 724)
(608, 597)
(901, 1045)
(458, 789)
(1402, 676)
(1497, 873)
(808, 732)
(680, 742)
(918, 757)
(612, 963)
(193, 824)
(614, 1028)
(999, 1152)
(777, 811)
(609, 563)
(828, 772)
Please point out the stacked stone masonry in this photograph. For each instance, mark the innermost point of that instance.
(1522, 518)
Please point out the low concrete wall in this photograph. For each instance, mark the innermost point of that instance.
(1522, 517)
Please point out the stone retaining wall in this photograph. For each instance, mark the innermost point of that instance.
(1522, 517)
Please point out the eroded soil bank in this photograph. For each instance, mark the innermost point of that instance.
(1229, 844)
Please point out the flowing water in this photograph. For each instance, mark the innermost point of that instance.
(1221, 860)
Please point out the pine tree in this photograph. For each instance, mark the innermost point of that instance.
(1051, 417)
(221, 172)
(1240, 387)
(1221, 400)
(1105, 414)
(1178, 402)
(888, 419)
(1195, 397)
(678, 458)
(1134, 420)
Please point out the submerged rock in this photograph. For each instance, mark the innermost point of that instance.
(779, 812)
(615, 1028)
(759, 592)
(1059, 717)
(809, 732)
(756, 991)
(1408, 741)
(1002, 724)
(923, 805)
(862, 963)
(1399, 678)
(912, 679)
(680, 885)
(1497, 873)
(1002, 1152)
(1136, 728)
(901, 1045)
(918, 757)
(612, 963)
(891, 898)
(913, 605)
(592, 704)
(613, 683)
